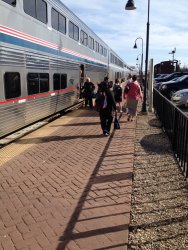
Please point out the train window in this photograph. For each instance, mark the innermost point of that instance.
(33, 83)
(96, 46)
(91, 42)
(63, 81)
(11, 2)
(37, 83)
(41, 9)
(29, 8)
(73, 31)
(101, 49)
(62, 24)
(55, 19)
(105, 52)
(44, 82)
(112, 58)
(56, 81)
(36, 9)
(58, 21)
(83, 38)
(12, 85)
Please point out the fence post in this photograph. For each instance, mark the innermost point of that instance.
(150, 108)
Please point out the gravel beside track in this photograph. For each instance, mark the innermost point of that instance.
(159, 212)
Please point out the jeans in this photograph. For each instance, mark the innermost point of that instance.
(106, 120)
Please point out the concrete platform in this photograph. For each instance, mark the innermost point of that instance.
(66, 186)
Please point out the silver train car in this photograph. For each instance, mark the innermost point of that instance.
(46, 52)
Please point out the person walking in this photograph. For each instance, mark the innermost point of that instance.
(107, 107)
(125, 92)
(133, 96)
(87, 90)
(117, 89)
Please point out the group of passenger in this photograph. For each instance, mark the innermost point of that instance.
(109, 99)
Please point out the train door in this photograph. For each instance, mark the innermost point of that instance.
(82, 74)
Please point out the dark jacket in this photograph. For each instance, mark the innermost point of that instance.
(88, 88)
(111, 104)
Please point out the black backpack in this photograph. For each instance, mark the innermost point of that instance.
(127, 88)
(117, 90)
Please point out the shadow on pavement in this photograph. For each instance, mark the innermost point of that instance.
(70, 234)
(38, 140)
(155, 143)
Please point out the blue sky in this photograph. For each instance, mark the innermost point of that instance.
(119, 28)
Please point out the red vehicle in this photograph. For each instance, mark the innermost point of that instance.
(166, 67)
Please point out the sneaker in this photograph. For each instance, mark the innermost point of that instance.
(129, 117)
(106, 133)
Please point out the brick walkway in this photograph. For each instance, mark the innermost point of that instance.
(66, 186)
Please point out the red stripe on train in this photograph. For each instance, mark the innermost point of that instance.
(23, 99)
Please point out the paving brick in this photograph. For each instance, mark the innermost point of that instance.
(28, 219)
(28, 235)
(35, 247)
(6, 219)
(30, 242)
(7, 243)
(16, 202)
(46, 229)
(23, 228)
(42, 240)
(17, 240)
(72, 246)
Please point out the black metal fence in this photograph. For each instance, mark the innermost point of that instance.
(175, 124)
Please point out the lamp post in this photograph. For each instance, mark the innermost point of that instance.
(138, 62)
(131, 6)
(141, 67)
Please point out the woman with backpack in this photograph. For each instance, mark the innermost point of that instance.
(117, 90)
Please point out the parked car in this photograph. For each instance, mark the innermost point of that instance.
(170, 77)
(169, 88)
(180, 98)
(160, 76)
(158, 84)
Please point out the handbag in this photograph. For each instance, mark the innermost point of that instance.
(116, 123)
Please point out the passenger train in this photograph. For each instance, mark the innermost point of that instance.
(46, 51)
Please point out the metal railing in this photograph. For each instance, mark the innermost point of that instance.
(175, 124)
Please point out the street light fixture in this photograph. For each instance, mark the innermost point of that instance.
(131, 6)
(138, 56)
(137, 59)
(141, 67)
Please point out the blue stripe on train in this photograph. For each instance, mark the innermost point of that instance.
(26, 44)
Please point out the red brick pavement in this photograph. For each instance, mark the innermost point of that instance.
(68, 189)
